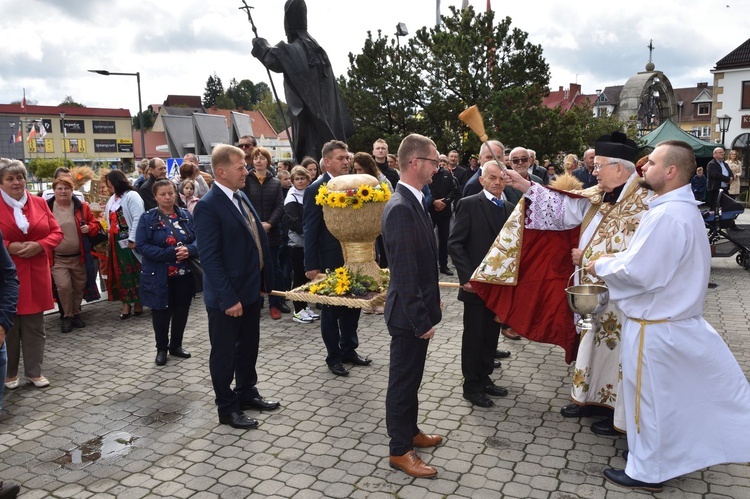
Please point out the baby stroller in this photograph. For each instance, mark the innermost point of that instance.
(725, 243)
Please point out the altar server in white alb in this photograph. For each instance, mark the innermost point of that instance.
(687, 400)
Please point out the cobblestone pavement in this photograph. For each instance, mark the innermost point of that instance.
(114, 425)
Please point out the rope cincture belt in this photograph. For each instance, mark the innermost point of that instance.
(643, 323)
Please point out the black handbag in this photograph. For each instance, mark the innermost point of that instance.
(196, 269)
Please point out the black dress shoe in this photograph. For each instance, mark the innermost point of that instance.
(261, 404)
(495, 391)
(358, 361)
(338, 369)
(9, 489)
(604, 428)
(180, 352)
(496, 364)
(479, 399)
(618, 477)
(161, 357)
(239, 420)
(284, 308)
(77, 322)
(575, 411)
(502, 354)
(446, 271)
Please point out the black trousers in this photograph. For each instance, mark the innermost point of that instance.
(234, 352)
(338, 327)
(297, 254)
(408, 355)
(180, 293)
(443, 225)
(478, 345)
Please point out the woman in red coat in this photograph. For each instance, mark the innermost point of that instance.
(31, 235)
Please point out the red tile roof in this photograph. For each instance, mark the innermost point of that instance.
(566, 99)
(153, 139)
(69, 111)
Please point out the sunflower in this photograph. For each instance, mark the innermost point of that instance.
(331, 199)
(341, 272)
(314, 288)
(323, 189)
(378, 196)
(356, 202)
(320, 198)
(341, 199)
(365, 192)
(342, 287)
(386, 193)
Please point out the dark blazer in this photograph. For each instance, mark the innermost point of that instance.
(228, 253)
(151, 242)
(268, 201)
(716, 176)
(540, 172)
(478, 222)
(8, 288)
(586, 177)
(322, 250)
(474, 187)
(413, 299)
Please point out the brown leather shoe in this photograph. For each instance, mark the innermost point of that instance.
(422, 440)
(411, 464)
(509, 333)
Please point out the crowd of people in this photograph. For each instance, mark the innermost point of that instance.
(274, 237)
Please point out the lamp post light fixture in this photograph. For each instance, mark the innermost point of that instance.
(64, 134)
(724, 122)
(137, 75)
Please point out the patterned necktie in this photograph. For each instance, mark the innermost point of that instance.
(252, 227)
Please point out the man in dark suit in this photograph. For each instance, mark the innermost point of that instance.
(473, 186)
(338, 325)
(585, 172)
(479, 219)
(157, 170)
(237, 268)
(445, 191)
(461, 173)
(719, 176)
(412, 305)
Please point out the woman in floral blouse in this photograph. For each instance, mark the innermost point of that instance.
(166, 240)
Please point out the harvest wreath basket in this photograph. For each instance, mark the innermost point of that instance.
(353, 207)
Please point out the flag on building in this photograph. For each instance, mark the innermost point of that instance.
(42, 130)
(19, 134)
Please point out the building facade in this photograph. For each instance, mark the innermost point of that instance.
(81, 134)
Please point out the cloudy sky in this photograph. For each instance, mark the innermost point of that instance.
(177, 44)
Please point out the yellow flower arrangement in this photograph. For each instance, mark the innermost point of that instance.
(343, 282)
(356, 198)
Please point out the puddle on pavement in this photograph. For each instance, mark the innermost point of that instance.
(112, 445)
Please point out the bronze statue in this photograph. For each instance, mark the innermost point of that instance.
(313, 98)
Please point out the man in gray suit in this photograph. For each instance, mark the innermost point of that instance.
(412, 306)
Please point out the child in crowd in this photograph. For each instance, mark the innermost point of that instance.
(188, 195)
(293, 222)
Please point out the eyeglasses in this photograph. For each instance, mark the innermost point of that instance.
(433, 161)
(244, 146)
(515, 161)
(598, 167)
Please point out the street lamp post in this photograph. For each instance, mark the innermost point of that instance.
(64, 134)
(724, 126)
(137, 75)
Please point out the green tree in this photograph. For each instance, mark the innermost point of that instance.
(225, 102)
(29, 102)
(148, 120)
(44, 168)
(214, 90)
(69, 102)
(392, 90)
(270, 109)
